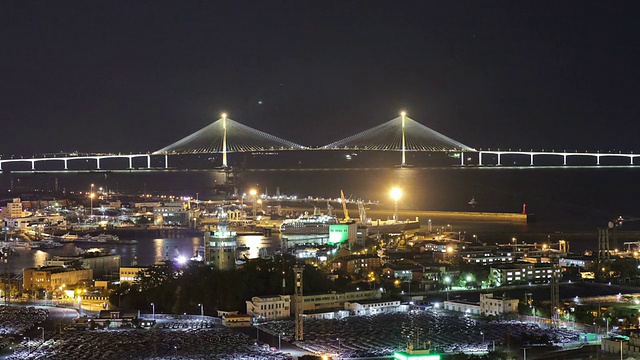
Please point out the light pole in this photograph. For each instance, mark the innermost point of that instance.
(482, 333)
(339, 347)
(41, 328)
(153, 309)
(91, 195)
(620, 349)
(279, 341)
(447, 280)
(253, 194)
(396, 194)
(201, 311)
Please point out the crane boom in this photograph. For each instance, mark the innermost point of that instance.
(344, 206)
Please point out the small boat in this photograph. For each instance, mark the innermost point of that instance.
(67, 237)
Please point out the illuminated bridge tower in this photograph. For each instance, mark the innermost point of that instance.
(224, 141)
(404, 147)
(299, 302)
(220, 245)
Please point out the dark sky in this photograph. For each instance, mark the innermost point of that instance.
(138, 75)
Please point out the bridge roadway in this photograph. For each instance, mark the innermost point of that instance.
(496, 155)
(97, 158)
(564, 155)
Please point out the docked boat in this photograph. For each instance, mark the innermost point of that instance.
(46, 244)
(25, 245)
(308, 225)
(67, 237)
(104, 239)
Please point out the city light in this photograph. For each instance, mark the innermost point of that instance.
(396, 193)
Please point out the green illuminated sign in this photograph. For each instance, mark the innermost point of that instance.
(338, 233)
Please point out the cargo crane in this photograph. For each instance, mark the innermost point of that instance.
(344, 207)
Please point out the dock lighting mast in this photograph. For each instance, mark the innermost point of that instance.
(91, 195)
(253, 194)
(224, 140)
(396, 194)
(299, 302)
(404, 159)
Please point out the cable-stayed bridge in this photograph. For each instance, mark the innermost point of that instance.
(401, 134)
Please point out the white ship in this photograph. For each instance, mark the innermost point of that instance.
(308, 225)
(67, 237)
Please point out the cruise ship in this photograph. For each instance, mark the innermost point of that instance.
(308, 225)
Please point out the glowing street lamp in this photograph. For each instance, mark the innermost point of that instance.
(447, 280)
(253, 194)
(153, 307)
(28, 343)
(201, 311)
(41, 328)
(396, 194)
(91, 196)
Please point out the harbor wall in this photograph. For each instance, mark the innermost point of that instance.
(479, 216)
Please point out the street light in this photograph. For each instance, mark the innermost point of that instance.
(91, 196)
(482, 333)
(153, 307)
(447, 280)
(253, 194)
(396, 194)
(201, 311)
(41, 328)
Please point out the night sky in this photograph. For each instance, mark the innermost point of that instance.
(131, 76)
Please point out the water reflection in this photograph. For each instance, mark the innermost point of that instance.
(40, 258)
(254, 243)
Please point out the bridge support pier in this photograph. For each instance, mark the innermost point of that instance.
(597, 159)
(480, 158)
(130, 162)
(33, 164)
(630, 161)
(66, 164)
(531, 162)
(499, 160)
(148, 161)
(564, 159)
(166, 161)
(98, 163)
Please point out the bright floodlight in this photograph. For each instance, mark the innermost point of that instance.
(182, 260)
(403, 113)
(396, 194)
(224, 115)
(253, 192)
